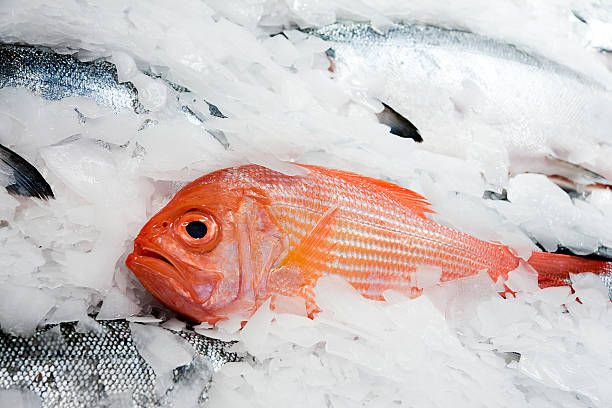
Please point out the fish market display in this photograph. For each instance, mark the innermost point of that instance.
(232, 239)
(119, 105)
(543, 113)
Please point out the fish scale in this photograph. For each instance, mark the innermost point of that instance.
(70, 369)
(395, 241)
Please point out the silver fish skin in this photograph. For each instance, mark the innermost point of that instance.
(454, 85)
(70, 369)
(55, 76)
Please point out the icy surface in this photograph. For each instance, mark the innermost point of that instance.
(14, 398)
(525, 351)
(460, 344)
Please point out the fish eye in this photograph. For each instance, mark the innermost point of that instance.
(197, 229)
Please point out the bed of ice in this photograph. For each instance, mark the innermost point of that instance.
(458, 344)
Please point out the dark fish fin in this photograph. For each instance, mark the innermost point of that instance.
(28, 181)
(493, 195)
(579, 17)
(331, 57)
(399, 125)
(214, 110)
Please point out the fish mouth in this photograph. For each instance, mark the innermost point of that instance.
(156, 272)
(166, 283)
(147, 253)
(150, 259)
(160, 276)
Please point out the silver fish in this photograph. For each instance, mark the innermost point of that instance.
(440, 78)
(70, 369)
(55, 76)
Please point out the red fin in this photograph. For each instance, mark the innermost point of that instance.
(416, 202)
(554, 269)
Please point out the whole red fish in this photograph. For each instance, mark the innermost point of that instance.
(230, 240)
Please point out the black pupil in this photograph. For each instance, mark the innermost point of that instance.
(196, 229)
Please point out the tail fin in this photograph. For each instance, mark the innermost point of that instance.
(554, 269)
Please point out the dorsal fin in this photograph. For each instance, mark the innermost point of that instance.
(416, 202)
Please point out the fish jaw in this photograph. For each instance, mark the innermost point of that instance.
(166, 283)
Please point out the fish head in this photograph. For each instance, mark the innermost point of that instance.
(199, 254)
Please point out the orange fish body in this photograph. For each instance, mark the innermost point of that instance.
(234, 238)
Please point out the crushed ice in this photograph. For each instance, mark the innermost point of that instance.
(458, 344)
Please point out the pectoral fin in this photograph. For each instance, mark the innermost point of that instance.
(301, 267)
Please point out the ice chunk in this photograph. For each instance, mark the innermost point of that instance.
(98, 275)
(193, 383)
(88, 168)
(296, 329)
(22, 308)
(336, 296)
(554, 295)
(255, 332)
(427, 276)
(117, 305)
(589, 288)
(162, 350)
(567, 373)
(281, 50)
(152, 93)
(523, 279)
(70, 310)
(548, 214)
(174, 324)
(143, 319)
(126, 66)
(500, 316)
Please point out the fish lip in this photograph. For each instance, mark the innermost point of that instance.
(147, 263)
(145, 260)
(148, 253)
